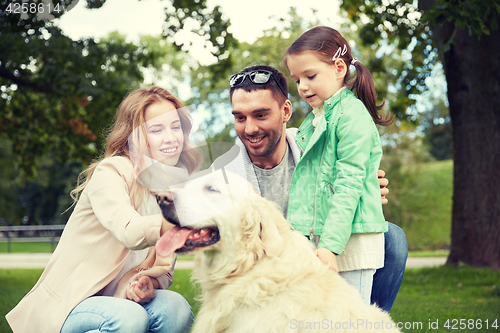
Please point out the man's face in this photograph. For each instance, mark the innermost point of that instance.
(259, 122)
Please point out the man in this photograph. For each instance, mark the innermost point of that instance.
(268, 155)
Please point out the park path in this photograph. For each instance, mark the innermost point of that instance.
(39, 260)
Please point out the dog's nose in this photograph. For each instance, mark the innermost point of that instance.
(166, 197)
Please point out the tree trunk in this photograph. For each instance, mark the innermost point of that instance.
(472, 69)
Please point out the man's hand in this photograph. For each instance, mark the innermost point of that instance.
(383, 186)
(328, 258)
(141, 291)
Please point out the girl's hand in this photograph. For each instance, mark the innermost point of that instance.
(141, 291)
(328, 258)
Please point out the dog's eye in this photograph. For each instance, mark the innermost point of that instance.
(210, 188)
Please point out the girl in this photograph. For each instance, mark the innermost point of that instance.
(341, 210)
(107, 247)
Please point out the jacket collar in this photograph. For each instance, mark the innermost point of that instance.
(330, 106)
(330, 103)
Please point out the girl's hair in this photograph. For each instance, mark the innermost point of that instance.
(129, 123)
(325, 42)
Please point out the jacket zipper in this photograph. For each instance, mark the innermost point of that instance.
(311, 231)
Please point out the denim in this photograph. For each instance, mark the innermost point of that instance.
(387, 280)
(167, 312)
(362, 280)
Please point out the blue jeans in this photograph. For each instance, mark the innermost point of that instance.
(387, 280)
(362, 280)
(167, 312)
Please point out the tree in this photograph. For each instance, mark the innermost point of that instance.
(57, 97)
(465, 37)
(57, 94)
(211, 92)
(209, 24)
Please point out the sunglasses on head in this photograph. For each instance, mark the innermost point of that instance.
(258, 76)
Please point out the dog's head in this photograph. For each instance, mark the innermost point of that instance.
(221, 211)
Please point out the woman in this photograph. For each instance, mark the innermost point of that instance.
(107, 247)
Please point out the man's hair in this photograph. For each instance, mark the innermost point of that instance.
(271, 85)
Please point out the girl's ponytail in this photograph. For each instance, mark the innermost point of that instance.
(364, 89)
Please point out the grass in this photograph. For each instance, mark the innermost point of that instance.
(446, 293)
(420, 202)
(34, 247)
(427, 297)
(14, 284)
(430, 253)
(182, 284)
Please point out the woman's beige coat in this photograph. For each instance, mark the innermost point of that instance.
(94, 246)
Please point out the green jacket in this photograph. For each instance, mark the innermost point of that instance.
(335, 189)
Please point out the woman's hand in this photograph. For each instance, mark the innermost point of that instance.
(165, 226)
(328, 258)
(141, 291)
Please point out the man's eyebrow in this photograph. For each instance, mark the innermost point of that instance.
(236, 112)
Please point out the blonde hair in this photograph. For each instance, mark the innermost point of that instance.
(130, 117)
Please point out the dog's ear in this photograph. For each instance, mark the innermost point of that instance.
(270, 235)
(267, 221)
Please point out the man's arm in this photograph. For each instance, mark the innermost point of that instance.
(383, 186)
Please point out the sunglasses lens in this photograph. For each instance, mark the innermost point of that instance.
(260, 77)
(237, 79)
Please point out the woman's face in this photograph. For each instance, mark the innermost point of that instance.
(164, 132)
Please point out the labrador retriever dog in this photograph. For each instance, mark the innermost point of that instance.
(256, 273)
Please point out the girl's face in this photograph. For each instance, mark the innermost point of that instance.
(316, 80)
(164, 132)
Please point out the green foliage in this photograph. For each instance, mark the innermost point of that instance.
(211, 25)
(479, 16)
(55, 110)
(440, 140)
(40, 200)
(58, 94)
(401, 29)
(392, 26)
(212, 93)
(438, 132)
